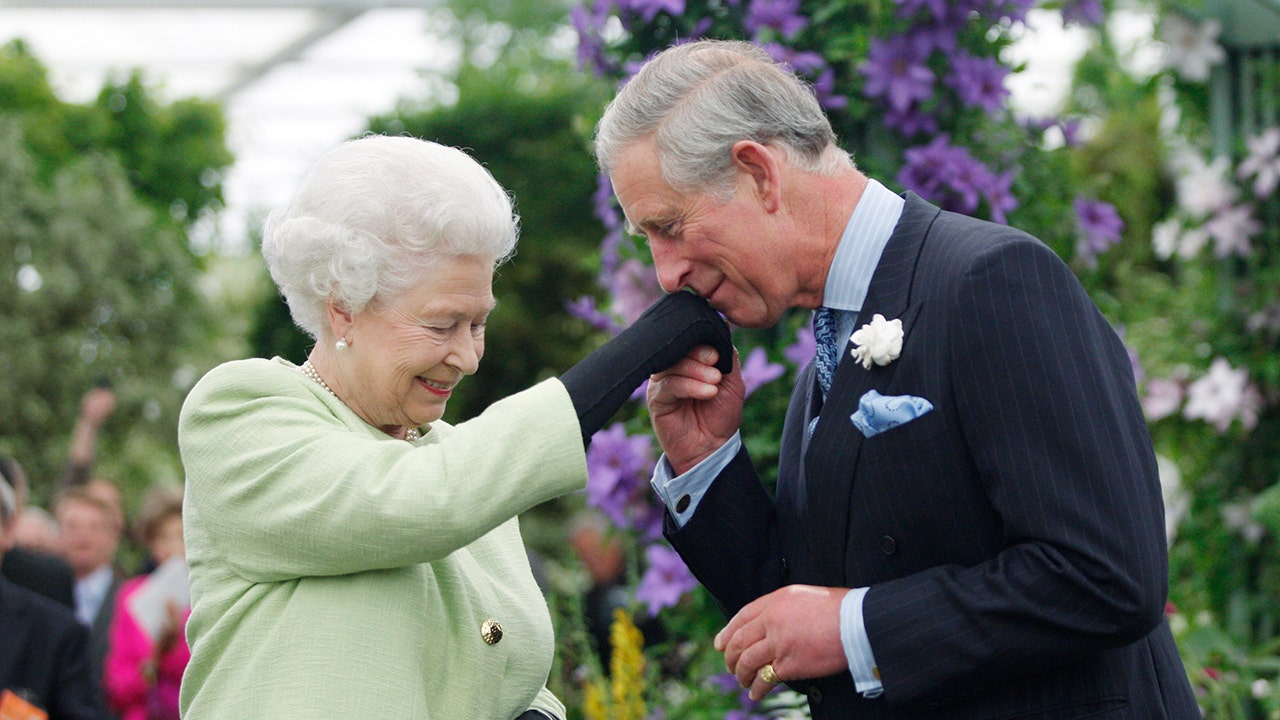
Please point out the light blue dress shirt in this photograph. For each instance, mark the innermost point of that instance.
(90, 592)
(864, 238)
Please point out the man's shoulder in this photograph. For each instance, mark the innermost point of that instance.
(42, 611)
(19, 561)
(46, 574)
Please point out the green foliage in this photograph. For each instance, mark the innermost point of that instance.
(173, 154)
(97, 283)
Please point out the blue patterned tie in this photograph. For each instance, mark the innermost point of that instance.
(827, 351)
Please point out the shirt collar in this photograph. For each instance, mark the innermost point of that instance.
(864, 238)
(90, 591)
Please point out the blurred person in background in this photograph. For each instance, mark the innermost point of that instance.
(352, 554)
(91, 536)
(44, 667)
(35, 529)
(602, 557)
(97, 405)
(27, 563)
(147, 651)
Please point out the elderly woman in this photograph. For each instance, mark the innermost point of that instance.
(351, 554)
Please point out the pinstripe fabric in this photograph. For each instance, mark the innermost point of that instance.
(1012, 539)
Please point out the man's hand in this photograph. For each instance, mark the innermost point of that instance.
(97, 405)
(795, 628)
(694, 407)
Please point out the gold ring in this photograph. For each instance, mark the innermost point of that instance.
(768, 675)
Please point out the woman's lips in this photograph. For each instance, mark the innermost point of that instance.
(435, 388)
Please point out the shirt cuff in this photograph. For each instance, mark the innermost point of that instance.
(857, 647)
(681, 494)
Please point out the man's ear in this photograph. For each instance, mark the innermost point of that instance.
(760, 164)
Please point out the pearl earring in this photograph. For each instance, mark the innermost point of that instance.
(341, 344)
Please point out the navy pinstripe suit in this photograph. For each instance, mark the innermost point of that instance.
(1013, 538)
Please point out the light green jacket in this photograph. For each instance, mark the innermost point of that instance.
(340, 573)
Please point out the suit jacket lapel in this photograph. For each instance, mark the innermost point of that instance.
(832, 453)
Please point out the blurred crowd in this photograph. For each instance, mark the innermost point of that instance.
(93, 599)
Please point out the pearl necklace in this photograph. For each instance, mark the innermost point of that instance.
(309, 370)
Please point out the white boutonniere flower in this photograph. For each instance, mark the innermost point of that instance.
(879, 342)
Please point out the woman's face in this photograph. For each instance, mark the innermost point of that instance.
(166, 539)
(405, 356)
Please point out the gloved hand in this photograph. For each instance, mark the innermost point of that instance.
(658, 339)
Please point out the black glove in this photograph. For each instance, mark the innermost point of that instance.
(534, 715)
(658, 339)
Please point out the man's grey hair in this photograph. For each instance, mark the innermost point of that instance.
(698, 99)
(372, 214)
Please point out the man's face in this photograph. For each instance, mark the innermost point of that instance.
(727, 252)
(89, 535)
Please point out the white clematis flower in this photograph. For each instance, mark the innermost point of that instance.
(1192, 48)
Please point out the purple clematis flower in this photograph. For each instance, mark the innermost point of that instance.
(979, 81)
(649, 9)
(782, 16)
(807, 64)
(825, 89)
(801, 62)
(1100, 227)
(757, 371)
(895, 70)
(937, 8)
(994, 10)
(1084, 12)
(634, 287)
(584, 308)
(589, 25)
(912, 122)
(665, 581)
(801, 352)
(1000, 197)
(951, 177)
(618, 470)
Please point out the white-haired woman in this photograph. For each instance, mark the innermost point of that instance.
(351, 554)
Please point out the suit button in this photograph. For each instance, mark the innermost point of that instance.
(888, 545)
(491, 631)
(682, 504)
(815, 696)
(786, 569)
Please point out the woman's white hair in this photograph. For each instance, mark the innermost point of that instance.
(372, 214)
(696, 100)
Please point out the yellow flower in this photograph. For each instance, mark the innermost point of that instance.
(626, 667)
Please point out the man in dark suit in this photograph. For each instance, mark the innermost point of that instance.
(968, 521)
(46, 574)
(91, 532)
(43, 659)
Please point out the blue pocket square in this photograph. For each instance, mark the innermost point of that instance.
(877, 413)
